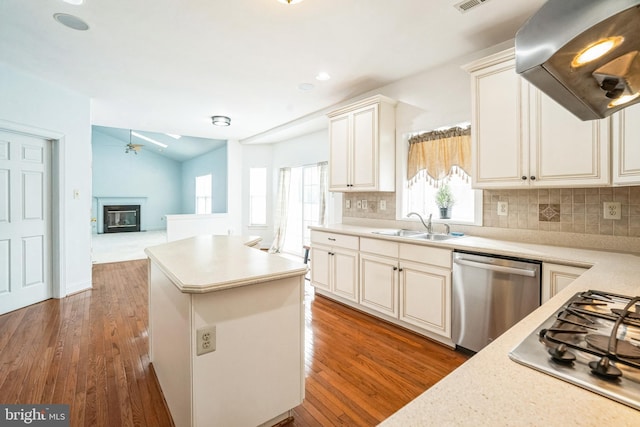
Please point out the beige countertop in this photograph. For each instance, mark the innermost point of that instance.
(210, 263)
(491, 389)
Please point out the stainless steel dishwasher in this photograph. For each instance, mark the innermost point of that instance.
(490, 294)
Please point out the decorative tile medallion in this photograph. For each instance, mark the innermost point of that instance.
(549, 212)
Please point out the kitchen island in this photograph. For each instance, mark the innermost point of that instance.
(226, 331)
(490, 388)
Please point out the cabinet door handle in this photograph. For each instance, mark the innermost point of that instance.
(533, 178)
(331, 238)
(395, 268)
(524, 178)
(400, 269)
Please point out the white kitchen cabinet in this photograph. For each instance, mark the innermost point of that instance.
(425, 287)
(379, 283)
(425, 297)
(626, 149)
(334, 265)
(522, 138)
(410, 283)
(362, 146)
(556, 277)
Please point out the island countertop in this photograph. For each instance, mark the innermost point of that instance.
(209, 263)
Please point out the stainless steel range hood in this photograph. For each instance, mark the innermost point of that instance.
(549, 44)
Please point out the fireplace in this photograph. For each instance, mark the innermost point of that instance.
(121, 218)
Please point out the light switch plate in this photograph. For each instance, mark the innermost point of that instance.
(612, 210)
(364, 204)
(347, 204)
(359, 204)
(383, 205)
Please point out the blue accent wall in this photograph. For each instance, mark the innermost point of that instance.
(215, 163)
(146, 175)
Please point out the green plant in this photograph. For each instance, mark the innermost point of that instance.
(444, 197)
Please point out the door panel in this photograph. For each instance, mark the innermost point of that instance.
(5, 266)
(33, 259)
(25, 203)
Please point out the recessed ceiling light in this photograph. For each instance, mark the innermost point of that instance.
(305, 87)
(322, 76)
(71, 21)
(289, 1)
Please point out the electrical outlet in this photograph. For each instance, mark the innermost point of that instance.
(347, 204)
(206, 340)
(503, 208)
(364, 204)
(359, 204)
(383, 205)
(612, 210)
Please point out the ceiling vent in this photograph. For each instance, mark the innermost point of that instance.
(467, 5)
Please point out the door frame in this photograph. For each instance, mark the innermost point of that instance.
(56, 175)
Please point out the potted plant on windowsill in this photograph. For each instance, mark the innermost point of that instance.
(445, 200)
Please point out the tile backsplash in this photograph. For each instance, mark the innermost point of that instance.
(573, 210)
(373, 205)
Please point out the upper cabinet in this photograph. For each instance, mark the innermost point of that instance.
(362, 146)
(626, 146)
(522, 138)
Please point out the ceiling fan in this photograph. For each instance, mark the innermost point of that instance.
(131, 147)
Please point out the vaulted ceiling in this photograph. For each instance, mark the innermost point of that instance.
(169, 65)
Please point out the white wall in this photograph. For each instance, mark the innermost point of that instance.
(34, 103)
(235, 186)
(257, 156)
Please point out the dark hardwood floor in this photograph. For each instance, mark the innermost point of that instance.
(90, 351)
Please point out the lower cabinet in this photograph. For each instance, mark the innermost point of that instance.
(425, 297)
(411, 283)
(556, 277)
(379, 283)
(334, 268)
(408, 284)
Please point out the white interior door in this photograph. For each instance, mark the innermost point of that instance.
(25, 223)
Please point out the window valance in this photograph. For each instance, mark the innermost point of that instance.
(437, 154)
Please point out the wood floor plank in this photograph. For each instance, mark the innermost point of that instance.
(90, 350)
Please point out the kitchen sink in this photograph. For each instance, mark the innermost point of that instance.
(399, 233)
(434, 236)
(418, 235)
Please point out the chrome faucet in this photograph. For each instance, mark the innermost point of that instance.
(428, 225)
(447, 228)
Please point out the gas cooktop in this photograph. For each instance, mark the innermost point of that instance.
(593, 341)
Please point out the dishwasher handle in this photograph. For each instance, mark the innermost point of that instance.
(498, 268)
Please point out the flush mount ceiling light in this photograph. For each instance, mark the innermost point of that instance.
(71, 21)
(221, 120)
(322, 76)
(289, 1)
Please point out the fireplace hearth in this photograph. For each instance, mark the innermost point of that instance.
(121, 218)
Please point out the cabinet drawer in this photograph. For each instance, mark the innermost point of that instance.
(426, 255)
(333, 239)
(379, 247)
